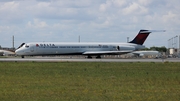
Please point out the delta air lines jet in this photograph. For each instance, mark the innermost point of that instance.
(88, 49)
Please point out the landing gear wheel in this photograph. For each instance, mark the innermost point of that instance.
(89, 57)
(98, 57)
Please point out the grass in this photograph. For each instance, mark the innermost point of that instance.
(95, 81)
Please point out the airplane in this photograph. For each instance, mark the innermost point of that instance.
(87, 49)
(146, 53)
(6, 53)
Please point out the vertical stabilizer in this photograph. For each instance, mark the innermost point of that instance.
(141, 37)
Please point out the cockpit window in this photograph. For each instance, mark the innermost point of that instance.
(21, 45)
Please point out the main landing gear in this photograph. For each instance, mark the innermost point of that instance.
(98, 57)
(90, 57)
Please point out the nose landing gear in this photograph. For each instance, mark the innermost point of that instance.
(97, 57)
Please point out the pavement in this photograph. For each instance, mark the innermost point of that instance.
(58, 59)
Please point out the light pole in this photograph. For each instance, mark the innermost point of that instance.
(79, 39)
(127, 39)
(175, 41)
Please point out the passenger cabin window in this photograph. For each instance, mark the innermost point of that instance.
(21, 45)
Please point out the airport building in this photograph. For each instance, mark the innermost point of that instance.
(8, 49)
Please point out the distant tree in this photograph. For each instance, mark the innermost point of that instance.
(160, 49)
(163, 49)
(146, 48)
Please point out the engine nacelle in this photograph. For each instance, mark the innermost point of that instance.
(123, 48)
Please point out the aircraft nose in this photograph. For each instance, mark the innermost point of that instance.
(18, 52)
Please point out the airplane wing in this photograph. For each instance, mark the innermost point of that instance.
(106, 52)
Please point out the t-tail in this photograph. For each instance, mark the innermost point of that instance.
(142, 36)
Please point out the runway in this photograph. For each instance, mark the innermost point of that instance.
(55, 59)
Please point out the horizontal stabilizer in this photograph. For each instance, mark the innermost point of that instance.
(150, 31)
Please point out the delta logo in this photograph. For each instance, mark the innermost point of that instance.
(45, 45)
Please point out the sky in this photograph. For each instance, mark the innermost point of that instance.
(92, 20)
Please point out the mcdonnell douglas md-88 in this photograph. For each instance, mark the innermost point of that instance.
(88, 49)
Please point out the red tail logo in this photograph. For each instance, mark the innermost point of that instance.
(141, 37)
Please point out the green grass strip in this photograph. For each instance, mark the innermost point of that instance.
(95, 81)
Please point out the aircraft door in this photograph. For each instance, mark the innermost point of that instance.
(118, 48)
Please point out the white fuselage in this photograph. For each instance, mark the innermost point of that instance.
(56, 48)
